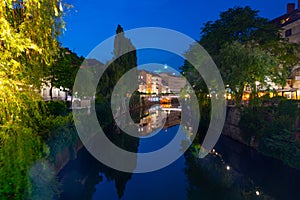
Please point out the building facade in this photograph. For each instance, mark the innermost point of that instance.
(57, 93)
(290, 30)
(161, 83)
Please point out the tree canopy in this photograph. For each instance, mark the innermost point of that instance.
(28, 46)
(241, 24)
(63, 71)
(247, 48)
(120, 64)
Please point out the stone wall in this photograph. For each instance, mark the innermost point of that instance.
(231, 126)
(232, 129)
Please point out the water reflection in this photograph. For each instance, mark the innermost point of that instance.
(156, 118)
(81, 177)
(232, 171)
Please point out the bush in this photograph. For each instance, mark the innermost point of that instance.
(57, 108)
(274, 127)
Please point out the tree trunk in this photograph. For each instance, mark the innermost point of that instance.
(51, 96)
(66, 95)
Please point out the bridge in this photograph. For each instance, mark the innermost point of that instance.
(171, 97)
(171, 109)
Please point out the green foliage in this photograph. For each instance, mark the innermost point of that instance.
(60, 135)
(17, 154)
(253, 121)
(243, 65)
(57, 108)
(63, 71)
(28, 46)
(282, 145)
(274, 127)
(43, 181)
(104, 114)
(134, 107)
(246, 48)
(263, 120)
(201, 90)
(240, 24)
(28, 35)
(121, 63)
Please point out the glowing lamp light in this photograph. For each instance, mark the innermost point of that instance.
(227, 167)
(257, 193)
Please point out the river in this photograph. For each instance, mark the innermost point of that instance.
(231, 171)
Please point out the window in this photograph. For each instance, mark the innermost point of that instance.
(288, 33)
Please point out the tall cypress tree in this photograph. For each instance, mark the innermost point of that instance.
(121, 63)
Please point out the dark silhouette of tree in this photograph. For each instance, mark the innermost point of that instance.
(241, 24)
(121, 63)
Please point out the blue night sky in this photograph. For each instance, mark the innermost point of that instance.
(93, 21)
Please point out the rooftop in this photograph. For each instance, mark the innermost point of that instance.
(289, 17)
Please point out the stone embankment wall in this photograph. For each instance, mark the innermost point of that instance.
(232, 129)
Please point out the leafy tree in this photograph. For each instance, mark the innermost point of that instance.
(88, 76)
(240, 24)
(63, 71)
(242, 66)
(28, 46)
(121, 63)
(247, 48)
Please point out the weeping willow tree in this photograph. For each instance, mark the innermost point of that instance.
(28, 46)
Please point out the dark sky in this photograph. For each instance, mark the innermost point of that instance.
(92, 21)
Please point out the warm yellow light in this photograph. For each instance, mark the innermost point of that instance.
(229, 96)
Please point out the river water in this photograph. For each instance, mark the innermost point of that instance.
(231, 171)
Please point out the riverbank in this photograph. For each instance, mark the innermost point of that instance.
(271, 130)
(239, 166)
(188, 177)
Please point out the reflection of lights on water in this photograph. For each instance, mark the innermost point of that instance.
(228, 168)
